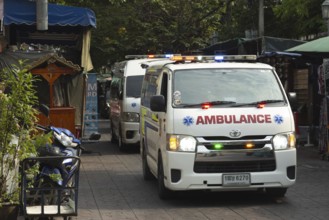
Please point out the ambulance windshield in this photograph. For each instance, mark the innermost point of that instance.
(225, 87)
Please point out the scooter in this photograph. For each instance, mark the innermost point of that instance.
(62, 163)
(64, 143)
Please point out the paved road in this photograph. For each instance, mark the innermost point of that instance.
(112, 187)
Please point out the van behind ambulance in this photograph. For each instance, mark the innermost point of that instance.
(208, 125)
(124, 98)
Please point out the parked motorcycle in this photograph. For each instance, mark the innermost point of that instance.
(58, 164)
(64, 143)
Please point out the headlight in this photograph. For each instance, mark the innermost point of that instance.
(284, 141)
(64, 139)
(130, 117)
(181, 143)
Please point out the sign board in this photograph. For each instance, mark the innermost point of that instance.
(91, 111)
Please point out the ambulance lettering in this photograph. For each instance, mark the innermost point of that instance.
(235, 119)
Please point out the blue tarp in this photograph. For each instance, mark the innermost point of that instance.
(24, 12)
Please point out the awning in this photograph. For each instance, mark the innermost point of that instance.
(314, 50)
(24, 12)
(251, 46)
(320, 45)
(278, 53)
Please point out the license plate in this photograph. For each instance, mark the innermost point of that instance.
(241, 179)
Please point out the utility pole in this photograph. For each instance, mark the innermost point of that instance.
(261, 18)
(42, 15)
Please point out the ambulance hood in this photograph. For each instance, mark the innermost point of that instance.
(233, 122)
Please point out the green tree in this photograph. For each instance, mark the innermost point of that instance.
(19, 138)
(152, 26)
(299, 18)
(282, 18)
(158, 26)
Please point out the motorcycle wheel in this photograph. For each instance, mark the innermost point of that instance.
(45, 187)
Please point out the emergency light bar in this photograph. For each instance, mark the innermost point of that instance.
(217, 58)
(149, 56)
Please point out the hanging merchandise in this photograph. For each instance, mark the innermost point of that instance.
(323, 139)
(321, 80)
(323, 125)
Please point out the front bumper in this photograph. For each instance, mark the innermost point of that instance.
(130, 132)
(179, 168)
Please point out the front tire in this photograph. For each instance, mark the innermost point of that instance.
(114, 139)
(163, 191)
(276, 192)
(50, 196)
(147, 175)
(121, 145)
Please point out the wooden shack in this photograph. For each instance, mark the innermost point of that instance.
(55, 77)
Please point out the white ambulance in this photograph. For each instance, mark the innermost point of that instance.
(216, 123)
(124, 101)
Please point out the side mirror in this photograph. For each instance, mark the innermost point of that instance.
(158, 103)
(44, 109)
(121, 95)
(292, 96)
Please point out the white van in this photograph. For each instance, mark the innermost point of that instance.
(124, 100)
(209, 125)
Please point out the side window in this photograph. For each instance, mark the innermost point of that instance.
(164, 86)
(117, 82)
(150, 86)
(145, 85)
(114, 89)
(120, 88)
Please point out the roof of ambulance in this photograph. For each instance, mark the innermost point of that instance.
(178, 66)
(133, 67)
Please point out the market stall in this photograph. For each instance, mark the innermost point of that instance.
(59, 80)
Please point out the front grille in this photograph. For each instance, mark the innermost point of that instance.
(235, 166)
(226, 155)
(223, 138)
(228, 146)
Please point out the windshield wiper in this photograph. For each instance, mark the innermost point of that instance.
(210, 103)
(267, 101)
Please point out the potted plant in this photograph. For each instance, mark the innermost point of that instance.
(18, 134)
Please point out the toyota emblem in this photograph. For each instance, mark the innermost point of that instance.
(235, 133)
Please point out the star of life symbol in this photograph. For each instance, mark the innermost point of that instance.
(278, 119)
(188, 121)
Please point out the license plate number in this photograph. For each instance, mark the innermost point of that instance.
(242, 179)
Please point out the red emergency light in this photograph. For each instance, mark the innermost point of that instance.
(205, 105)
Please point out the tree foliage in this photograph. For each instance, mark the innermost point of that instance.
(158, 26)
(18, 117)
(299, 17)
(151, 26)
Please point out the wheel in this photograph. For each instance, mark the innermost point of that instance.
(163, 192)
(121, 145)
(276, 192)
(147, 175)
(113, 137)
(50, 195)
